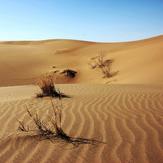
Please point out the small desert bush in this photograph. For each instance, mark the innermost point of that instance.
(47, 86)
(103, 64)
(53, 129)
(46, 130)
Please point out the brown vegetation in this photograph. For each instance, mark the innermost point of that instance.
(53, 129)
(103, 64)
(47, 86)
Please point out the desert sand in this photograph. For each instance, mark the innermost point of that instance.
(128, 118)
(124, 112)
(138, 62)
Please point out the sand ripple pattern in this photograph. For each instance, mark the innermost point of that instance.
(128, 118)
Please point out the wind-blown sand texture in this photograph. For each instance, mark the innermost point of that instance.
(126, 113)
(138, 62)
(128, 118)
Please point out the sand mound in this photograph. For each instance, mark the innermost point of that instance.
(138, 62)
(127, 117)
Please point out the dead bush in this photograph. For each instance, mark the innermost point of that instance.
(53, 129)
(48, 88)
(103, 64)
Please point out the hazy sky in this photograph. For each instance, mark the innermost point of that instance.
(96, 20)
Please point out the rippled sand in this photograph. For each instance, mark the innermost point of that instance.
(128, 118)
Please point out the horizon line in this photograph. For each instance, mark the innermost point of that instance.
(71, 39)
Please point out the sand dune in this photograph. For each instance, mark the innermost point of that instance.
(138, 62)
(127, 117)
(126, 113)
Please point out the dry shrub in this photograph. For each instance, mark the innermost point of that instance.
(47, 86)
(103, 64)
(53, 129)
